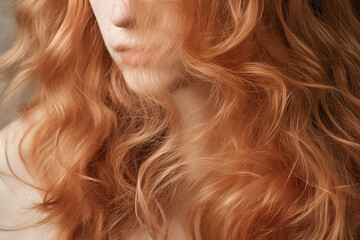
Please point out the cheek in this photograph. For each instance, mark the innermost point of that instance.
(161, 74)
(172, 21)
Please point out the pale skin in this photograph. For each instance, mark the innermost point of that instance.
(113, 19)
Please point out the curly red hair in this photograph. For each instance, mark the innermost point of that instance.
(285, 96)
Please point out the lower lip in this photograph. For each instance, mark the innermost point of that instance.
(135, 57)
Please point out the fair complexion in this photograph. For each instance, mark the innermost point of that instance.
(150, 66)
(113, 20)
(143, 73)
(146, 75)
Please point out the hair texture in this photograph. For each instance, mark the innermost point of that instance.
(284, 128)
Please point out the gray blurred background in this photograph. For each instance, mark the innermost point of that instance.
(7, 36)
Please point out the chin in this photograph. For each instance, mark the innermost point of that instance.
(150, 81)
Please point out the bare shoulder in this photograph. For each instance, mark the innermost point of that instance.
(12, 171)
(10, 138)
(17, 195)
(15, 140)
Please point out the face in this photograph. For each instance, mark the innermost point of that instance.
(149, 66)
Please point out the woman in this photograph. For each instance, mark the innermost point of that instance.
(184, 119)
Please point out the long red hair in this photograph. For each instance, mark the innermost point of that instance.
(285, 96)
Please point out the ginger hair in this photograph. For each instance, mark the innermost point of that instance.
(285, 95)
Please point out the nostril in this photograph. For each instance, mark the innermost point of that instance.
(126, 23)
(122, 17)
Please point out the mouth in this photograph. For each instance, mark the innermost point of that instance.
(134, 56)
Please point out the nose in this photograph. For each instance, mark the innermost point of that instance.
(122, 15)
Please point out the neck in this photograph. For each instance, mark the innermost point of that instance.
(191, 104)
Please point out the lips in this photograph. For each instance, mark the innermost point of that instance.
(134, 56)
